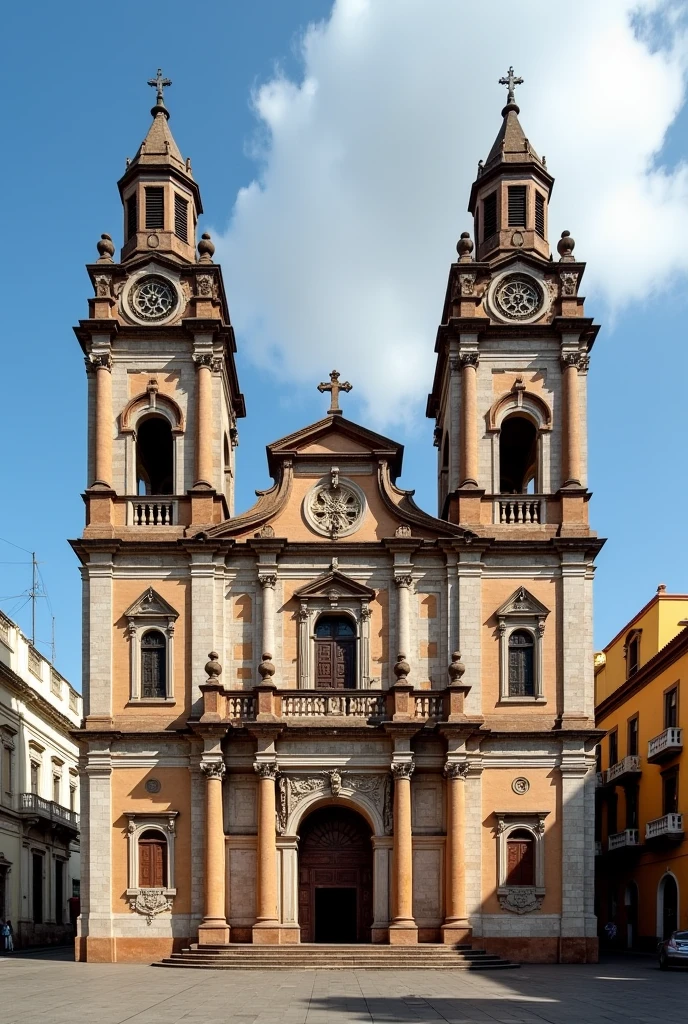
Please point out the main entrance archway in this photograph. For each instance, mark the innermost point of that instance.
(335, 877)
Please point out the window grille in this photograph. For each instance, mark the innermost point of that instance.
(155, 208)
(181, 218)
(517, 206)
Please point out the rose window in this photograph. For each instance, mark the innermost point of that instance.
(334, 510)
(519, 298)
(153, 298)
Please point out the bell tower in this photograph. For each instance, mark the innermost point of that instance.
(509, 394)
(163, 393)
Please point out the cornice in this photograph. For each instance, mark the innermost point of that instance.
(35, 699)
(665, 657)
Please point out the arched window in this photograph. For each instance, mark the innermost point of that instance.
(154, 456)
(153, 664)
(521, 664)
(152, 860)
(518, 456)
(335, 653)
(520, 858)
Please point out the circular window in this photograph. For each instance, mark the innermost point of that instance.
(335, 510)
(519, 297)
(153, 298)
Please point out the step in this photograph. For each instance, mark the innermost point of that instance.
(306, 966)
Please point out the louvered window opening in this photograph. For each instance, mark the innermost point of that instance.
(517, 206)
(155, 208)
(540, 214)
(181, 218)
(132, 216)
(490, 215)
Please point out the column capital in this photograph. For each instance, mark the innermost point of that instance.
(267, 579)
(402, 769)
(266, 769)
(404, 580)
(581, 361)
(213, 769)
(100, 361)
(456, 769)
(203, 359)
(468, 359)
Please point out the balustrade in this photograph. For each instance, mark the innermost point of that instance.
(668, 826)
(518, 511)
(665, 745)
(152, 513)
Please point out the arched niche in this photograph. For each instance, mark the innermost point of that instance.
(531, 408)
(142, 407)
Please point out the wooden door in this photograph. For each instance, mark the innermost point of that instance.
(335, 853)
(335, 653)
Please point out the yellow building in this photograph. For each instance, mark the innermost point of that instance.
(642, 870)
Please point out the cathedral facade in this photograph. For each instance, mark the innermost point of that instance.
(282, 743)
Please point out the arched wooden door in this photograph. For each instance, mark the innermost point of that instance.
(335, 877)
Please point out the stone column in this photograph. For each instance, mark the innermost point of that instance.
(204, 424)
(268, 581)
(103, 452)
(403, 583)
(455, 927)
(214, 929)
(469, 420)
(266, 930)
(572, 464)
(403, 930)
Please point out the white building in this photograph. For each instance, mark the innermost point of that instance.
(39, 793)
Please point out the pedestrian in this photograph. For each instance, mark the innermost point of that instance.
(8, 936)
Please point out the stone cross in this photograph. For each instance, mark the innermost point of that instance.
(334, 387)
(159, 83)
(510, 81)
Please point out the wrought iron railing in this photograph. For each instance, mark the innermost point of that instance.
(49, 809)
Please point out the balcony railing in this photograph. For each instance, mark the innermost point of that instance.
(518, 511)
(152, 512)
(428, 705)
(620, 840)
(669, 826)
(320, 705)
(241, 706)
(624, 769)
(51, 811)
(665, 745)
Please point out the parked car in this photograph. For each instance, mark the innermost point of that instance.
(673, 951)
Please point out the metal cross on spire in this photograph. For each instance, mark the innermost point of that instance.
(334, 387)
(159, 83)
(510, 81)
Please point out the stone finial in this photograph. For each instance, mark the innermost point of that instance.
(565, 246)
(213, 668)
(106, 249)
(661, 589)
(206, 249)
(266, 669)
(456, 669)
(401, 668)
(464, 247)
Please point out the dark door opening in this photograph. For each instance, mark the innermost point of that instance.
(37, 886)
(669, 906)
(336, 915)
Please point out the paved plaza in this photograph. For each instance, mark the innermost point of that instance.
(43, 989)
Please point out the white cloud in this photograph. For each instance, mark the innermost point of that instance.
(338, 252)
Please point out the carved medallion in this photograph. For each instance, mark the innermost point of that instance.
(334, 509)
(150, 903)
(153, 298)
(520, 899)
(519, 297)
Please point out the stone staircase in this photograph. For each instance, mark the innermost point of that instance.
(424, 956)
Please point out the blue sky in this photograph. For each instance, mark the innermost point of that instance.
(76, 104)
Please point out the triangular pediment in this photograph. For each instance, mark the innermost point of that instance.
(338, 437)
(335, 583)
(522, 602)
(151, 603)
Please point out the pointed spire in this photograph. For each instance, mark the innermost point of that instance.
(511, 145)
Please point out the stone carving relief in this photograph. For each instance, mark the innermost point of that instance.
(150, 903)
(334, 509)
(292, 790)
(103, 285)
(520, 786)
(520, 899)
(569, 282)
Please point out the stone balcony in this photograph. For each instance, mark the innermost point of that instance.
(31, 805)
(520, 510)
(624, 770)
(669, 826)
(622, 840)
(666, 745)
(267, 703)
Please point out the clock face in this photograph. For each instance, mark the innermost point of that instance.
(153, 298)
(519, 297)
